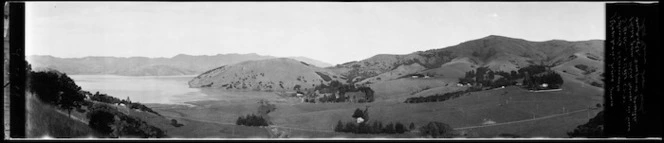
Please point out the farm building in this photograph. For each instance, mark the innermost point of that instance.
(488, 122)
(360, 120)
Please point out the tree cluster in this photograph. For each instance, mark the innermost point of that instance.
(551, 78)
(440, 97)
(251, 120)
(533, 77)
(367, 127)
(101, 97)
(436, 130)
(341, 89)
(484, 77)
(55, 88)
(374, 127)
(175, 123)
(108, 120)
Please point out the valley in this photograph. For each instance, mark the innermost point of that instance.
(209, 104)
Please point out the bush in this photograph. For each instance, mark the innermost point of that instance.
(101, 121)
(175, 123)
(374, 127)
(251, 120)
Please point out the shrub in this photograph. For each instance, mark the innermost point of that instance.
(101, 121)
(175, 123)
(411, 126)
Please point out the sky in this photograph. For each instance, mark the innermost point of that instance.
(332, 32)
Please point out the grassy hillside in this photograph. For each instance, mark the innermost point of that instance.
(496, 52)
(45, 120)
(271, 75)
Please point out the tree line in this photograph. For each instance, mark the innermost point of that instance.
(251, 120)
(373, 127)
(533, 77)
(337, 88)
(101, 97)
(366, 127)
(440, 97)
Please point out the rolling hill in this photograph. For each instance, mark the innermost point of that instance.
(142, 66)
(583, 59)
(269, 74)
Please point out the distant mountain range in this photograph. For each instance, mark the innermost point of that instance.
(581, 60)
(142, 66)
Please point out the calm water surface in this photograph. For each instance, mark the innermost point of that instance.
(159, 89)
(144, 89)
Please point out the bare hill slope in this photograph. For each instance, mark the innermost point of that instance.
(270, 74)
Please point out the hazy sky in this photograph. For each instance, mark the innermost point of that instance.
(333, 32)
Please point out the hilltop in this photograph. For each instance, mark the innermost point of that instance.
(581, 59)
(181, 64)
(269, 74)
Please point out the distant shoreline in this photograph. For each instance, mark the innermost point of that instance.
(148, 76)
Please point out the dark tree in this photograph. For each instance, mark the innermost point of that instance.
(101, 121)
(436, 129)
(592, 129)
(350, 127)
(399, 128)
(339, 127)
(411, 126)
(389, 128)
(358, 113)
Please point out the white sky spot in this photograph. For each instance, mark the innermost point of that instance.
(494, 15)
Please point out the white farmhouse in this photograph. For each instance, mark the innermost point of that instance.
(360, 120)
(488, 122)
